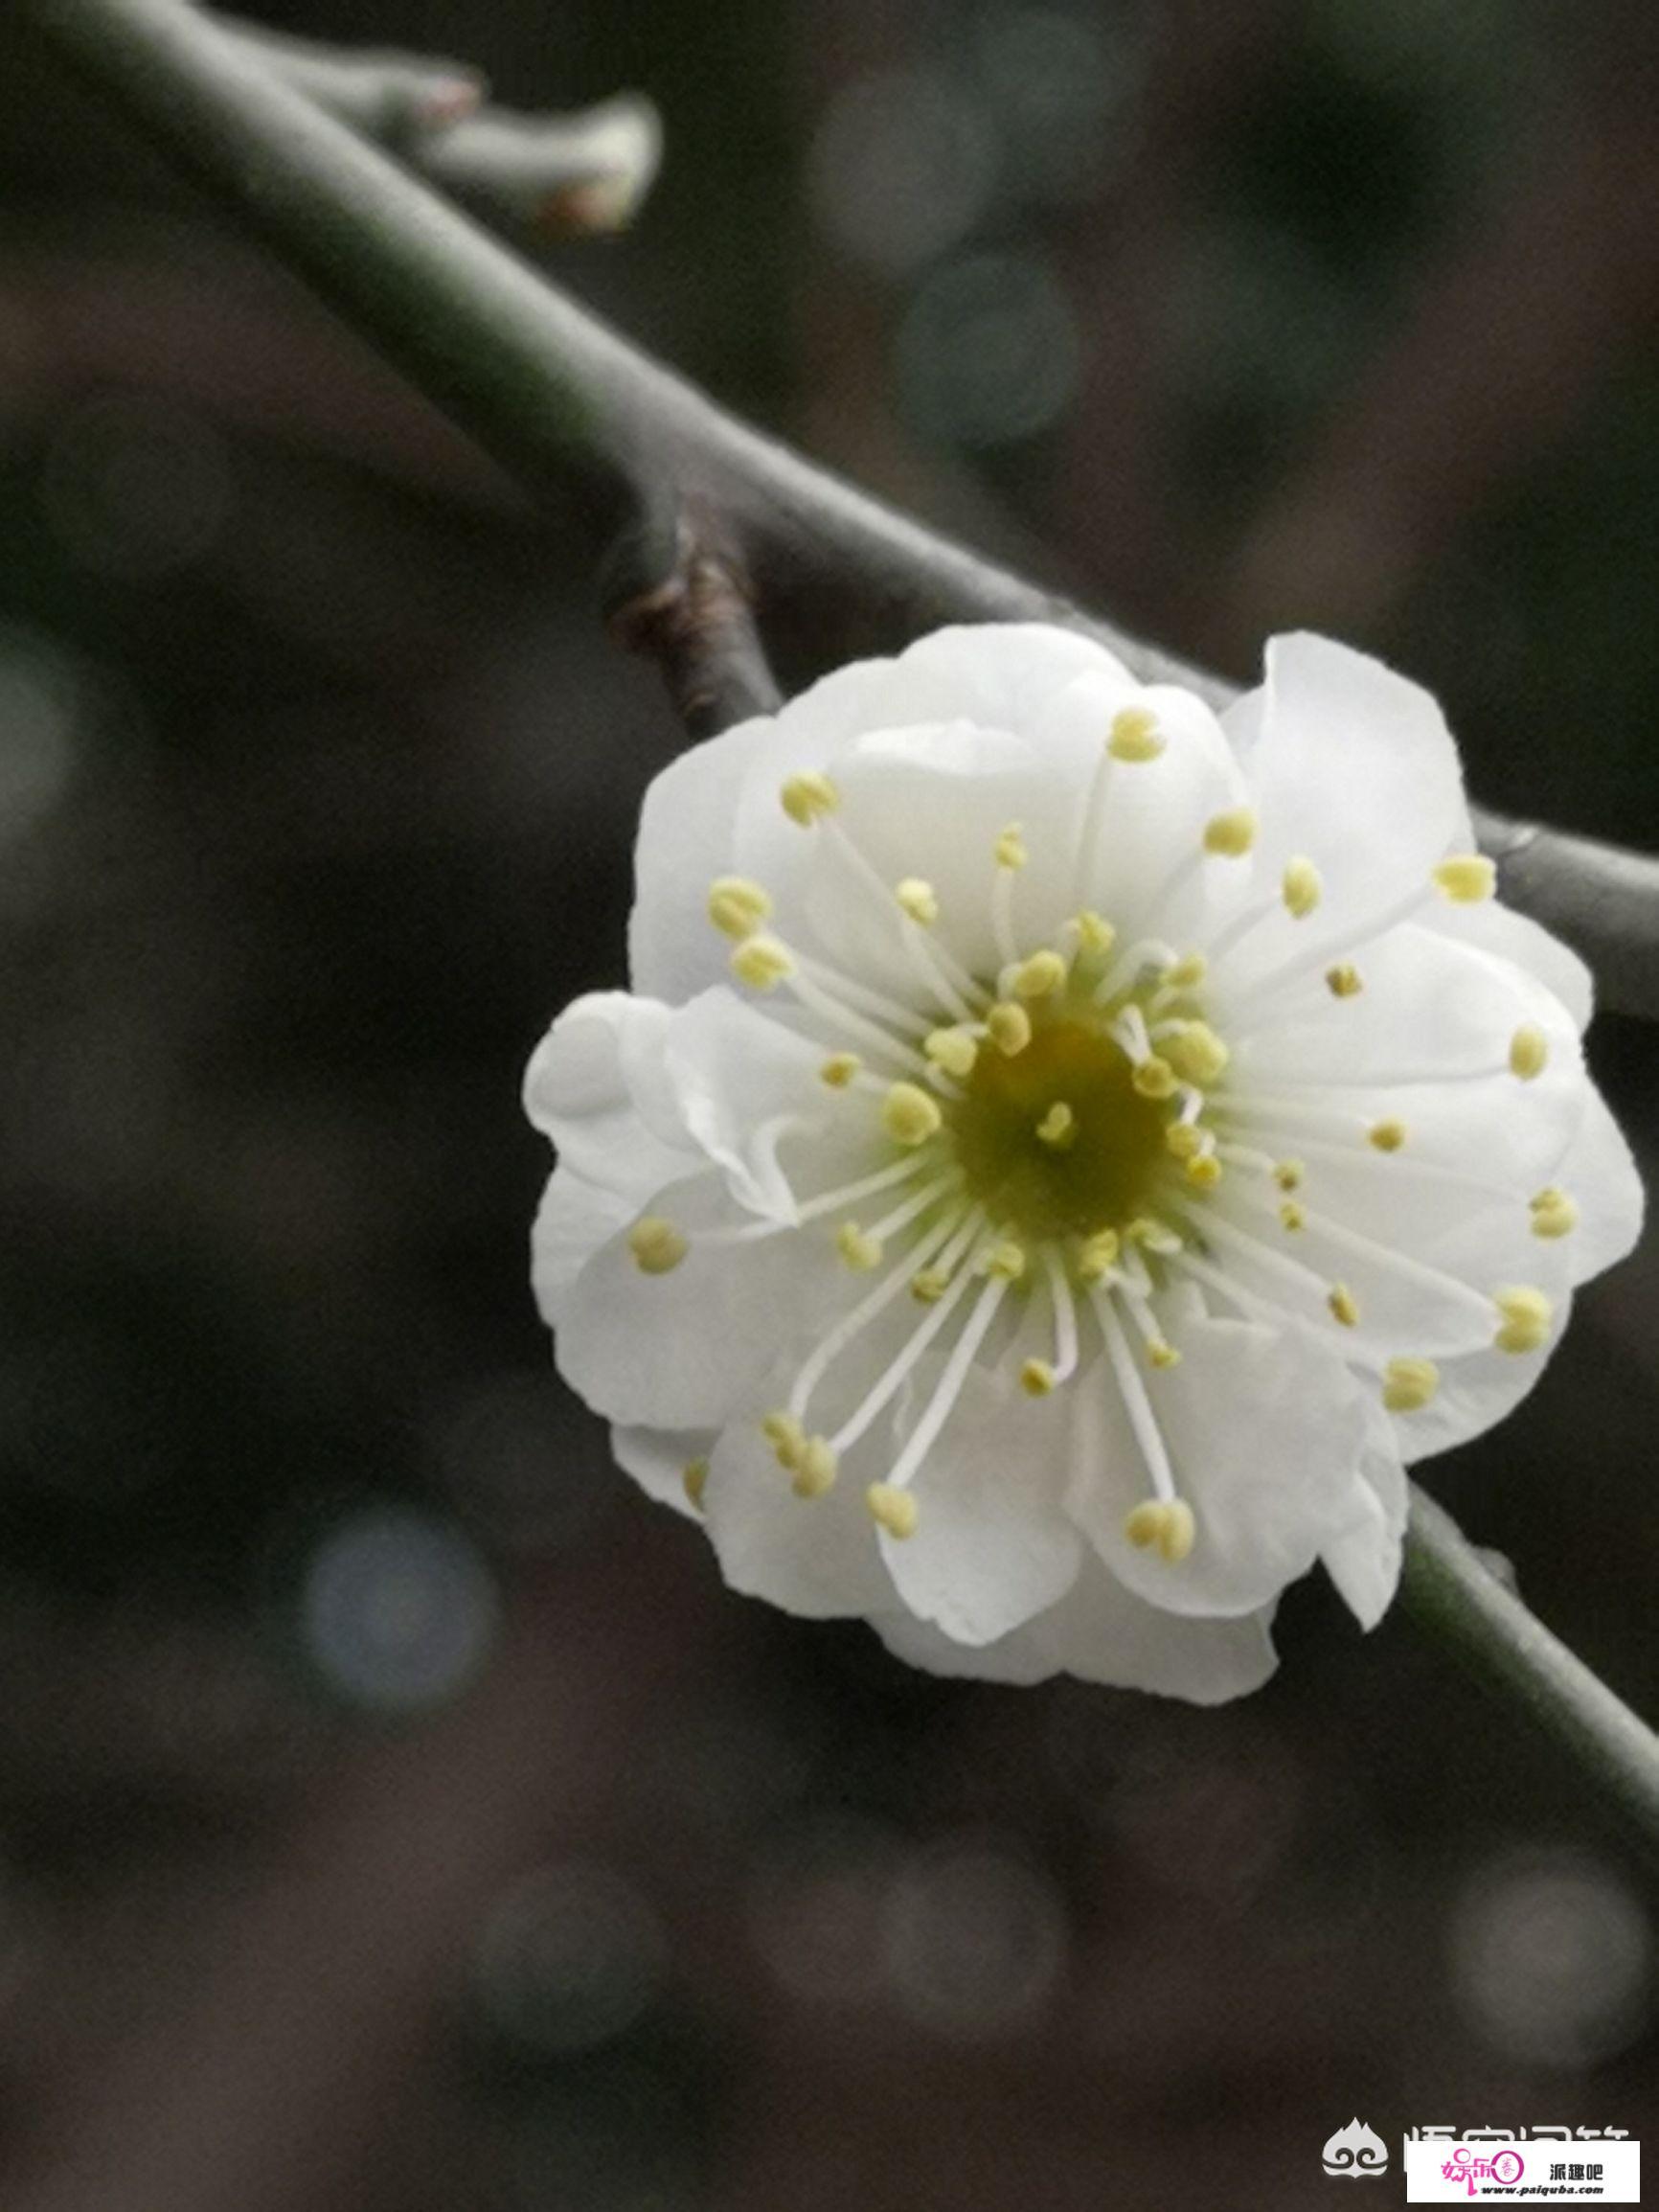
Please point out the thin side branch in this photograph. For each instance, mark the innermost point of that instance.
(699, 626)
(1446, 1587)
(554, 174)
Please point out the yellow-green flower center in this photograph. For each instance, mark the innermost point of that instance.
(1048, 1173)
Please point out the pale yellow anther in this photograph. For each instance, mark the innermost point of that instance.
(1185, 1140)
(1529, 1051)
(1553, 1214)
(1301, 887)
(786, 1435)
(1231, 835)
(738, 906)
(694, 1481)
(893, 1509)
(1010, 848)
(1290, 1175)
(1154, 1079)
(1097, 1256)
(1003, 1262)
(839, 1069)
(1059, 1126)
(1205, 1171)
(1154, 1234)
(909, 1116)
(954, 1050)
(1037, 1378)
(1409, 1385)
(1039, 976)
(1009, 1026)
(1343, 980)
(1134, 735)
(1095, 933)
(1161, 1353)
(656, 1244)
(858, 1247)
(1525, 1315)
(919, 899)
(1197, 1054)
(1162, 1525)
(1466, 879)
(761, 962)
(1187, 972)
(1386, 1136)
(1292, 1216)
(1344, 1306)
(808, 796)
(814, 1470)
(929, 1286)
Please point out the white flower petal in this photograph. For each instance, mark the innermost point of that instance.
(685, 841)
(1600, 1176)
(573, 1220)
(657, 1459)
(595, 1085)
(742, 1082)
(1264, 1428)
(993, 1545)
(1100, 1632)
(1499, 930)
(1353, 766)
(686, 1349)
(1364, 1562)
(1474, 1394)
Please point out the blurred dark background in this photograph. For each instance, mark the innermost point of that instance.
(395, 1812)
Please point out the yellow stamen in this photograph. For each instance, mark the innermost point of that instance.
(1059, 1126)
(805, 797)
(1408, 1385)
(1553, 1214)
(738, 906)
(1143, 1230)
(1199, 1053)
(1095, 933)
(1185, 1140)
(656, 1244)
(815, 1468)
(1344, 1306)
(909, 1116)
(839, 1069)
(954, 1050)
(919, 899)
(1529, 1051)
(861, 1251)
(893, 1510)
(1292, 1216)
(929, 1286)
(1037, 1378)
(1231, 835)
(1163, 1525)
(1205, 1171)
(1525, 1315)
(1301, 887)
(1386, 1136)
(1163, 1353)
(1290, 1175)
(1010, 848)
(1009, 1027)
(1097, 1256)
(1039, 976)
(1187, 972)
(761, 962)
(1005, 1261)
(1134, 735)
(1466, 879)
(786, 1437)
(695, 1480)
(1344, 981)
(1154, 1079)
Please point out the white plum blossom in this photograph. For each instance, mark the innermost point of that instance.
(1065, 1153)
